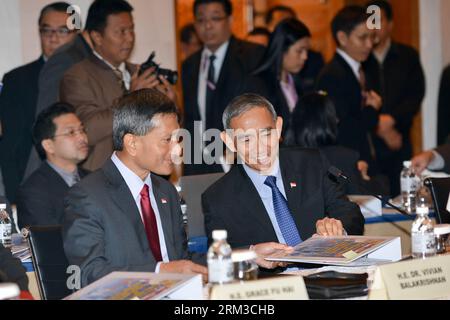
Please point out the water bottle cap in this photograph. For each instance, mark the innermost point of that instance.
(407, 164)
(243, 255)
(2, 206)
(422, 210)
(219, 234)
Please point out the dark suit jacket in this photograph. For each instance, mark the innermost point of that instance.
(92, 88)
(40, 199)
(444, 151)
(11, 269)
(49, 79)
(401, 83)
(103, 231)
(355, 123)
(310, 72)
(17, 112)
(233, 203)
(242, 57)
(444, 107)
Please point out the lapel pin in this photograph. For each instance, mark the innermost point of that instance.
(293, 185)
(163, 200)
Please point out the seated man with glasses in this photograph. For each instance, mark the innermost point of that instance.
(19, 97)
(61, 140)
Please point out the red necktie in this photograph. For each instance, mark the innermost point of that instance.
(151, 228)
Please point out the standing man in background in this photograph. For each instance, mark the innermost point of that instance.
(397, 75)
(215, 75)
(19, 95)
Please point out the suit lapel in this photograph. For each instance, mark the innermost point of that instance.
(162, 201)
(250, 199)
(294, 187)
(122, 197)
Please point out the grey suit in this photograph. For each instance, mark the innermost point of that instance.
(103, 231)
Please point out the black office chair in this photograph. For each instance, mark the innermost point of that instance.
(440, 190)
(49, 261)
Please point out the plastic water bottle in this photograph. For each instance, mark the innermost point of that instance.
(5, 226)
(422, 231)
(409, 183)
(220, 263)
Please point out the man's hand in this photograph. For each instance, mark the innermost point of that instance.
(146, 80)
(394, 140)
(329, 227)
(363, 168)
(374, 100)
(386, 123)
(421, 161)
(264, 250)
(185, 267)
(165, 87)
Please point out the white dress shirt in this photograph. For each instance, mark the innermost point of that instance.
(135, 184)
(265, 193)
(354, 65)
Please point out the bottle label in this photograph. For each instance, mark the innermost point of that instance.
(423, 243)
(5, 233)
(408, 185)
(220, 271)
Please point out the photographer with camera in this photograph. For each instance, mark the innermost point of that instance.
(95, 84)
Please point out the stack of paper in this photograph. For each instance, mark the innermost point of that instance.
(21, 252)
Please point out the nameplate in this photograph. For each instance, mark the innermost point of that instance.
(282, 288)
(412, 280)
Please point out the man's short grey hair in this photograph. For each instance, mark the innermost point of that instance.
(135, 114)
(244, 103)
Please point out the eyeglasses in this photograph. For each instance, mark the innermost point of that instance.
(72, 133)
(60, 32)
(213, 20)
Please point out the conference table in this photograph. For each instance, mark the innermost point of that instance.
(390, 223)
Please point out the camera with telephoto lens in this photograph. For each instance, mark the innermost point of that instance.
(170, 75)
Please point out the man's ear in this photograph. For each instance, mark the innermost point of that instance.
(129, 144)
(96, 38)
(48, 146)
(228, 140)
(279, 126)
(342, 39)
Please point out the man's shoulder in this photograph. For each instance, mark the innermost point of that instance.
(84, 67)
(222, 186)
(299, 153)
(41, 180)
(405, 50)
(24, 70)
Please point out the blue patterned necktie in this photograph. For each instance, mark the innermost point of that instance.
(283, 215)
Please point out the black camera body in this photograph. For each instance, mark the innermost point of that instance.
(170, 75)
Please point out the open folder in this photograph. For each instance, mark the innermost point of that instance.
(142, 286)
(344, 251)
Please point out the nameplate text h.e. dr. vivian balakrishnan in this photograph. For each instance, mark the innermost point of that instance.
(419, 279)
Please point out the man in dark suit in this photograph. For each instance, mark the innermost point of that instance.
(209, 87)
(60, 138)
(124, 217)
(19, 94)
(93, 85)
(396, 74)
(273, 196)
(344, 80)
(437, 159)
(11, 269)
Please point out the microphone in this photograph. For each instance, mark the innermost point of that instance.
(336, 173)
